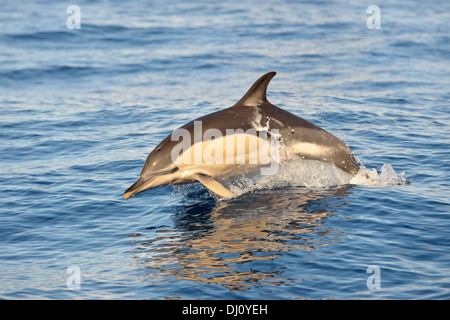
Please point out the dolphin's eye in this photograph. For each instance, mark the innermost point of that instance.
(159, 149)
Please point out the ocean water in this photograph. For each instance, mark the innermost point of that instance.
(80, 109)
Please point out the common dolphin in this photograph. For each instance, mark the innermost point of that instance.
(298, 139)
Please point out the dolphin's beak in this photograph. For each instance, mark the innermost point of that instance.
(152, 180)
(141, 185)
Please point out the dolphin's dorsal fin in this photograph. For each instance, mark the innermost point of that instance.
(256, 95)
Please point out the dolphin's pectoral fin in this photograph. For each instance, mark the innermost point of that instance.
(214, 185)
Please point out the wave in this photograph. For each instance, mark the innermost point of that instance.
(51, 72)
(56, 35)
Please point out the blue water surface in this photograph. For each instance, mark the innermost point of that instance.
(80, 109)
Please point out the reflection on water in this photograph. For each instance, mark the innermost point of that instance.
(213, 242)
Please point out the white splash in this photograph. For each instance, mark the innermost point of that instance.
(315, 175)
(309, 174)
(387, 177)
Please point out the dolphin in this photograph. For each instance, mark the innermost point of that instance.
(298, 139)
